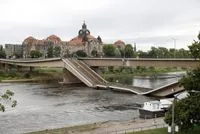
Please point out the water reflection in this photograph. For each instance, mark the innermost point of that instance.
(145, 81)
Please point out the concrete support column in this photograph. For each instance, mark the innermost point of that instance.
(69, 78)
(2, 66)
(32, 69)
(7, 67)
(19, 68)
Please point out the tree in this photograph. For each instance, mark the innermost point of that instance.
(35, 54)
(191, 82)
(117, 53)
(142, 54)
(163, 52)
(81, 53)
(109, 50)
(94, 53)
(195, 48)
(187, 110)
(56, 51)
(128, 51)
(6, 99)
(50, 52)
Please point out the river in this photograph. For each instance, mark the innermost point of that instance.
(46, 106)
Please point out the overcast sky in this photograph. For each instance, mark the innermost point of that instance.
(145, 22)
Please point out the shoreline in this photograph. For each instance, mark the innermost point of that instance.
(18, 80)
(107, 127)
(137, 76)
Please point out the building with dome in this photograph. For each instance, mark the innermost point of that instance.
(84, 41)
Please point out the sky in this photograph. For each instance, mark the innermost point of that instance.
(147, 23)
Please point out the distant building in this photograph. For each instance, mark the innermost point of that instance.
(32, 43)
(13, 50)
(84, 41)
(119, 44)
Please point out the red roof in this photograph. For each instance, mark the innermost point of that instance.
(76, 41)
(119, 43)
(79, 41)
(54, 38)
(30, 38)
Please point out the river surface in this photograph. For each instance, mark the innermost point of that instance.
(46, 106)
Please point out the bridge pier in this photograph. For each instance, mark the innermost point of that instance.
(32, 69)
(2, 66)
(7, 67)
(19, 68)
(69, 78)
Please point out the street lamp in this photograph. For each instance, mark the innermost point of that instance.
(174, 40)
(173, 108)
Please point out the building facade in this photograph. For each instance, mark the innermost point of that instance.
(13, 50)
(33, 44)
(84, 42)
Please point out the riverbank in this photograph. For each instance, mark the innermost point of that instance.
(107, 127)
(40, 75)
(138, 71)
(43, 75)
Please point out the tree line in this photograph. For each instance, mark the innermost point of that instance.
(127, 51)
(160, 52)
(187, 110)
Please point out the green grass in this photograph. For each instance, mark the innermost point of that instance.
(152, 131)
(68, 130)
(39, 74)
(195, 130)
(118, 71)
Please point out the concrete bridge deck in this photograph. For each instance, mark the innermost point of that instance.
(102, 62)
(162, 91)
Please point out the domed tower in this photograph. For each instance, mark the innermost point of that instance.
(84, 31)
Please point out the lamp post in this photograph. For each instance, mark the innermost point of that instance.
(173, 108)
(174, 40)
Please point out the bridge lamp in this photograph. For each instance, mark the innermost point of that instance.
(174, 40)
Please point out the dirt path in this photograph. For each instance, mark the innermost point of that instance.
(120, 127)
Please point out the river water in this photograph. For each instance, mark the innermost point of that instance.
(46, 106)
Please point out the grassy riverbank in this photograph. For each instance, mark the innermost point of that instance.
(138, 71)
(38, 75)
(101, 127)
(55, 74)
(195, 130)
(96, 128)
(69, 130)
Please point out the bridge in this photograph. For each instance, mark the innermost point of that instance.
(104, 62)
(77, 71)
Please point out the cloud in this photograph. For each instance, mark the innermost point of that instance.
(140, 21)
